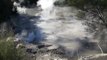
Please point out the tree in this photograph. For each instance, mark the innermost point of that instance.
(96, 7)
(98, 23)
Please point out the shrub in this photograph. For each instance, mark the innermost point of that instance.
(8, 49)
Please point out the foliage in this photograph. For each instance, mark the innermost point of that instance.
(8, 51)
(96, 8)
(88, 3)
(95, 16)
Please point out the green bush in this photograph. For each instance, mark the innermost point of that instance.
(8, 51)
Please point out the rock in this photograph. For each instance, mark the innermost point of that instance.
(9, 39)
(31, 48)
(20, 46)
(52, 47)
(43, 46)
(95, 57)
(32, 51)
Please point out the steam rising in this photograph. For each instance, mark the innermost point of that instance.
(46, 3)
(60, 26)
